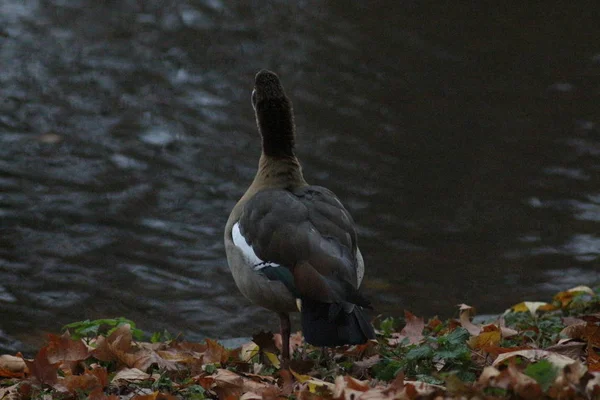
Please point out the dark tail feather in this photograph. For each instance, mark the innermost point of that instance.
(328, 324)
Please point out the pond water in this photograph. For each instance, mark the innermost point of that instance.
(465, 142)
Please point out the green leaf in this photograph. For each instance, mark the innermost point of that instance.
(543, 371)
(457, 337)
(387, 369)
(419, 353)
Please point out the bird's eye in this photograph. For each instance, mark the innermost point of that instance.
(254, 98)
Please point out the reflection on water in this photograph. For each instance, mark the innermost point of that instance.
(466, 145)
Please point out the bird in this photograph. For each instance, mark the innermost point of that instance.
(292, 246)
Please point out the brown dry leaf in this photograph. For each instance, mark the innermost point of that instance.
(130, 375)
(466, 313)
(11, 367)
(569, 348)
(75, 383)
(349, 388)
(63, 348)
(227, 383)
(154, 396)
(41, 369)
(591, 334)
(119, 342)
(215, 353)
(360, 367)
(574, 331)
(413, 330)
(523, 385)
(532, 355)
(143, 359)
(495, 350)
(251, 396)
(593, 360)
(487, 377)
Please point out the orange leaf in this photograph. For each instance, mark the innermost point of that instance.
(215, 353)
(98, 394)
(591, 333)
(485, 339)
(593, 360)
(41, 369)
(75, 383)
(434, 323)
(63, 348)
(101, 374)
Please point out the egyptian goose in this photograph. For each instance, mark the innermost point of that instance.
(290, 245)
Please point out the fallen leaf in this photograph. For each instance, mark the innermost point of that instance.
(592, 389)
(63, 348)
(130, 375)
(227, 383)
(487, 377)
(591, 334)
(582, 288)
(215, 353)
(466, 313)
(593, 359)
(12, 367)
(569, 348)
(248, 351)
(531, 306)
(76, 383)
(10, 392)
(299, 377)
(574, 331)
(413, 329)
(42, 369)
(532, 355)
(273, 359)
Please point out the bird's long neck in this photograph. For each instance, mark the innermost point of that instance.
(279, 172)
(275, 120)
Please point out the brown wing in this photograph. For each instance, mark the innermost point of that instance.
(309, 232)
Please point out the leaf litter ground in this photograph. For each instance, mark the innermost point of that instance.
(535, 350)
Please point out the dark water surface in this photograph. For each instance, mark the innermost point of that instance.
(465, 143)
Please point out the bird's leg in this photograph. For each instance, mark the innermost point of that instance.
(286, 329)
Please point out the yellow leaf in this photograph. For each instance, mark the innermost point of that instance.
(314, 384)
(273, 359)
(531, 306)
(485, 339)
(248, 351)
(299, 377)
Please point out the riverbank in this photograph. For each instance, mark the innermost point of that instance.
(534, 350)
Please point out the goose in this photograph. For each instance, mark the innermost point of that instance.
(292, 246)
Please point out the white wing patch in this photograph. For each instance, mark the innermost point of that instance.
(240, 242)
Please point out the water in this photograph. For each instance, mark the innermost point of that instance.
(465, 143)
